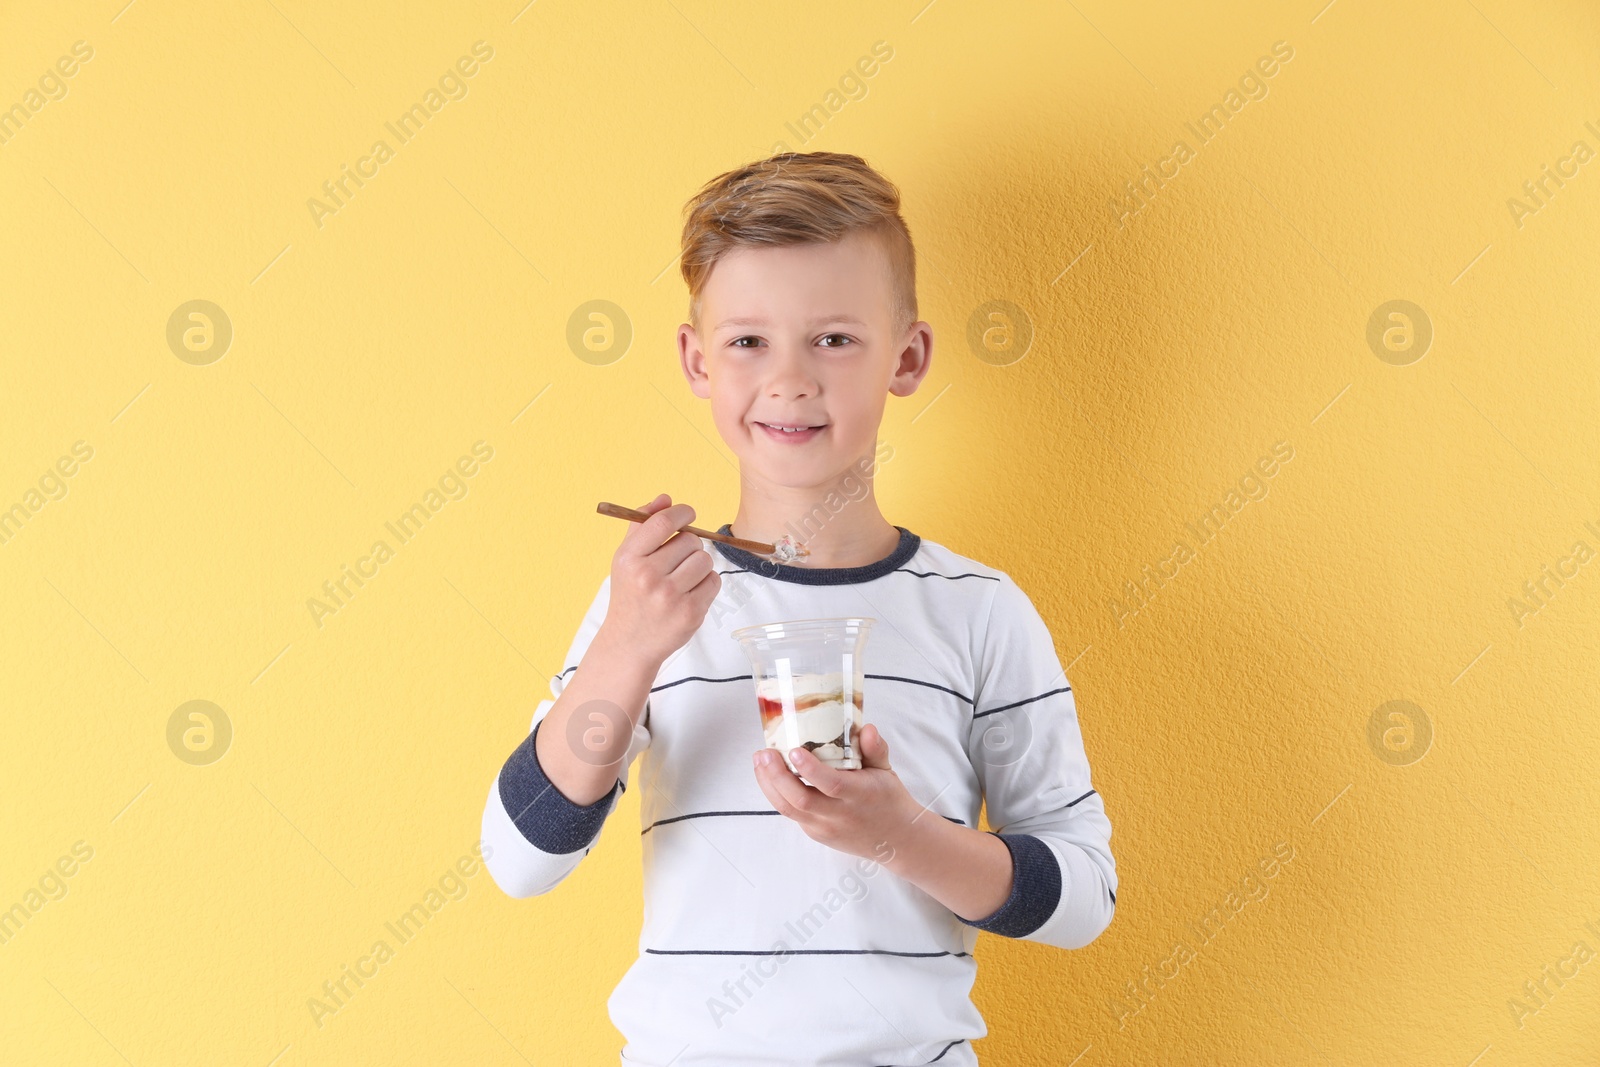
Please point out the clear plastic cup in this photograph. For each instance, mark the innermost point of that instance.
(808, 676)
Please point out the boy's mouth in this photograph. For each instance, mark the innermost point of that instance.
(790, 433)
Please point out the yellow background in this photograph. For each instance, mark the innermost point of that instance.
(1228, 715)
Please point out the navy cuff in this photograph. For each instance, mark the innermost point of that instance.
(540, 811)
(1035, 889)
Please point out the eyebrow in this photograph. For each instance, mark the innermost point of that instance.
(825, 320)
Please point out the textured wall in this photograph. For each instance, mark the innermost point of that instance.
(1437, 460)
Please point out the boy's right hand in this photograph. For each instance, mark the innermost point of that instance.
(662, 582)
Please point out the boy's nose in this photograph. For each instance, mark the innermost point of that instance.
(791, 377)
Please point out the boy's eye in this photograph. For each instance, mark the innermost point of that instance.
(840, 336)
(736, 341)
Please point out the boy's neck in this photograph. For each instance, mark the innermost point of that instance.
(854, 535)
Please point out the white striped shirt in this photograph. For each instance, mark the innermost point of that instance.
(762, 946)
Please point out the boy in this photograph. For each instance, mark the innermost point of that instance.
(840, 927)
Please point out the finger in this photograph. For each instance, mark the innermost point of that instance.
(801, 799)
(874, 749)
(775, 798)
(668, 556)
(708, 587)
(663, 559)
(631, 534)
(693, 568)
(649, 535)
(829, 780)
(661, 503)
(767, 778)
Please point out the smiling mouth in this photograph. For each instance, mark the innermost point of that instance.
(791, 433)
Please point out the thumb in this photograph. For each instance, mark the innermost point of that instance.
(874, 749)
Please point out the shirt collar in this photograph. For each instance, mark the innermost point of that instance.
(802, 575)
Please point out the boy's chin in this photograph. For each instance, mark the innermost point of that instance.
(817, 472)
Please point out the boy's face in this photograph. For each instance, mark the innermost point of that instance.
(802, 335)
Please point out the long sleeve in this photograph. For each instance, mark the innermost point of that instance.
(1028, 752)
(535, 835)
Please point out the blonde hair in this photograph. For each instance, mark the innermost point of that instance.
(793, 198)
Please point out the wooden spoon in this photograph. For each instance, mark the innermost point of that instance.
(786, 551)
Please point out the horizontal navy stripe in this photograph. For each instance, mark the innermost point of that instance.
(940, 1056)
(952, 577)
(1085, 796)
(701, 678)
(880, 677)
(767, 811)
(699, 815)
(793, 952)
(868, 674)
(1113, 897)
(1018, 704)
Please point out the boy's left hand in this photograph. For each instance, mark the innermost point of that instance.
(854, 811)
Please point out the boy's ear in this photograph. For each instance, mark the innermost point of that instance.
(693, 361)
(913, 361)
